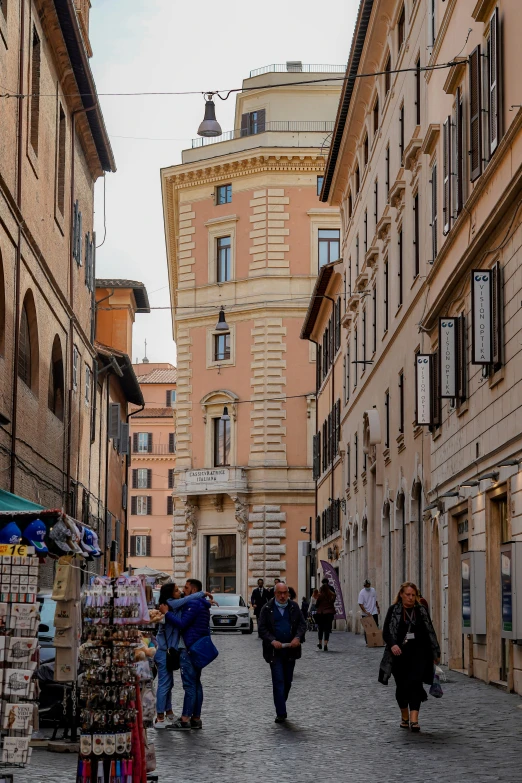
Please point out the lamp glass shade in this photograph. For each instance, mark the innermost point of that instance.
(210, 126)
(222, 325)
(225, 416)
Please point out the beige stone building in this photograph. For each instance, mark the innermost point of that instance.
(425, 167)
(151, 480)
(245, 232)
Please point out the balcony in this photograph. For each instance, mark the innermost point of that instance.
(161, 449)
(277, 126)
(216, 481)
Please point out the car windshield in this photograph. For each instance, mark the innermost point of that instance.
(47, 616)
(225, 599)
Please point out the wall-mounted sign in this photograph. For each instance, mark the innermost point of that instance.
(217, 476)
(448, 352)
(465, 567)
(481, 330)
(423, 382)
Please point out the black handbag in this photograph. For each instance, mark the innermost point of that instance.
(172, 659)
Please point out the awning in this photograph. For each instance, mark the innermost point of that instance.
(14, 503)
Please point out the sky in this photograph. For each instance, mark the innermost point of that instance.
(169, 45)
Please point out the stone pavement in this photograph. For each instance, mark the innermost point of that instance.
(344, 726)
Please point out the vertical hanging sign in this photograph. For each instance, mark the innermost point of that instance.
(448, 333)
(482, 336)
(423, 372)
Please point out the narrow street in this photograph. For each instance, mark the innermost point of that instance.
(343, 726)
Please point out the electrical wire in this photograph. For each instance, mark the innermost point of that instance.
(104, 214)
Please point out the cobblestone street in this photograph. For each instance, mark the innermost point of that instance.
(343, 726)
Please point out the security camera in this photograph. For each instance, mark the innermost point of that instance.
(304, 529)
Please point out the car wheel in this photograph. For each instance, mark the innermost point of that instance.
(251, 629)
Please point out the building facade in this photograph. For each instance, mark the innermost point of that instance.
(424, 165)
(245, 232)
(153, 447)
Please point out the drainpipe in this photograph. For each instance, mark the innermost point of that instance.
(19, 153)
(126, 517)
(316, 431)
(333, 386)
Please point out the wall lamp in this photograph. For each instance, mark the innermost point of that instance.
(452, 494)
(506, 463)
(222, 325)
(340, 501)
(225, 416)
(493, 475)
(435, 505)
(470, 483)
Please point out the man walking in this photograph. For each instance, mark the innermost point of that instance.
(282, 628)
(271, 591)
(258, 599)
(193, 623)
(368, 602)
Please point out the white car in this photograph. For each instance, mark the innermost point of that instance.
(232, 614)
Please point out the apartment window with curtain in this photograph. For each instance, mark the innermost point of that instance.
(400, 262)
(224, 259)
(34, 107)
(401, 402)
(416, 236)
(144, 442)
(328, 245)
(221, 443)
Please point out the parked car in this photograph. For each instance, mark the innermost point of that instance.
(231, 614)
(46, 628)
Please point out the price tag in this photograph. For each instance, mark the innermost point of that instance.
(19, 550)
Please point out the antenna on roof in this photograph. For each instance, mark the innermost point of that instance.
(145, 360)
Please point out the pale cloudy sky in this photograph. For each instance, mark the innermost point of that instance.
(169, 45)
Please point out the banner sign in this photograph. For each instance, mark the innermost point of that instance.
(333, 580)
(448, 331)
(481, 330)
(423, 371)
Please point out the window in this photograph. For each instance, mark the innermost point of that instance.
(35, 91)
(329, 246)
(350, 204)
(170, 506)
(401, 27)
(77, 234)
(141, 505)
(418, 92)
(376, 201)
(376, 116)
(320, 181)
(88, 378)
(364, 340)
(171, 478)
(365, 231)
(356, 454)
(401, 402)
(221, 346)
(374, 318)
(365, 150)
(221, 442)
(143, 442)
(386, 295)
(224, 251)
(357, 180)
(356, 352)
(492, 82)
(24, 351)
(400, 269)
(56, 380)
(140, 546)
(401, 134)
(172, 442)
(387, 75)
(142, 478)
(223, 194)
(458, 190)
(60, 161)
(347, 371)
(171, 398)
(434, 216)
(433, 31)
(446, 172)
(475, 114)
(416, 236)
(76, 356)
(89, 261)
(253, 122)
(357, 256)
(386, 419)
(387, 170)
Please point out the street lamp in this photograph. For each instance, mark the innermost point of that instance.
(210, 126)
(225, 416)
(222, 325)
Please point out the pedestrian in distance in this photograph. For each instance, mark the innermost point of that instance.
(282, 628)
(260, 596)
(271, 591)
(168, 638)
(292, 594)
(193, 623)
(305, 605)
(411, 654)
(324, 613)
(368, 602)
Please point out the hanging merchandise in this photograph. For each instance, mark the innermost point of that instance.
(19, 619)
(112, 742)
(67, 618)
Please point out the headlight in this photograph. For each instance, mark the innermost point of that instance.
(242, 614)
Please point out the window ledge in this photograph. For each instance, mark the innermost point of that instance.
(436, 433)
(496, 378)
(417, 430)
(462, 408)
(355, 487)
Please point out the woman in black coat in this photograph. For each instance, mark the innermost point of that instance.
(411, 651)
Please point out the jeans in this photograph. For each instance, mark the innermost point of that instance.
(191, 680)
(165, 683)
(324, 624)
(282, 675)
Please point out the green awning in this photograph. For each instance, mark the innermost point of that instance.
(9, 502)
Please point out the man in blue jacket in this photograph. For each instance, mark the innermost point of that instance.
(193, 623)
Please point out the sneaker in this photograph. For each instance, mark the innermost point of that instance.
(180, 725)
(170, 717)
(320, 646)
(280, 718)
(196, 724)
(160, 724)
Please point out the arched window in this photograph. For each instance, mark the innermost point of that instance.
(56, 384)
(28, 356)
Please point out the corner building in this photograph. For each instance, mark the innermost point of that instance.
(245, 232)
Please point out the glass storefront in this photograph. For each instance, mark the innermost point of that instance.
(221, 564)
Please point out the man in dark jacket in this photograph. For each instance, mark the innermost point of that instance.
(282, 628)
(259, 598)
(193, 624)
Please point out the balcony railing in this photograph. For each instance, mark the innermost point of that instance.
(161, 448)
(284, 126)
(297, 67)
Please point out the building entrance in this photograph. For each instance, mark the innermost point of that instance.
(221, 564)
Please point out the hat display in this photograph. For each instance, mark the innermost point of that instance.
(10, 534)
(96, 544)
(61, 535)
(87, 542)
(74, 536)
(35, 534)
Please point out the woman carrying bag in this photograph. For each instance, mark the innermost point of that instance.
(412, 651)
(325, 613)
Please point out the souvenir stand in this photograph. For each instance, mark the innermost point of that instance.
(113, 745)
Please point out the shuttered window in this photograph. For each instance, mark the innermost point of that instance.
(497, 315)
(400, 269)
(416, 236)
(171, 478)
(462, 359)
(459, 153)
(386, 295)
(475, 112)
(140, 546)
(446, 169)
(494, 82)
(172, 443)
(170, 505)
(253, 122)
(387, 75)
(434, 213)
(141, 505)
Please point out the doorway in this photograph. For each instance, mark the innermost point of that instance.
(221, 564)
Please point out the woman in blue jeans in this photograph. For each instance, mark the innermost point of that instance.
(167, 636)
